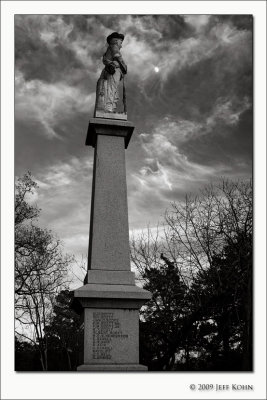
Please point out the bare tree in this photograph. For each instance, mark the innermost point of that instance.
(196, 234)
(35, 300)
(41, 270)
(198, 229)
(79, 270)
(145, 251)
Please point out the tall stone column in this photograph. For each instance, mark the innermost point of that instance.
(110, 301)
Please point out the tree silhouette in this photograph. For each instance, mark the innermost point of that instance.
(64, 332)
(165, 312)
(41, 270)
(206, 247)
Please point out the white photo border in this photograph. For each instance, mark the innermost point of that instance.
(159, 385)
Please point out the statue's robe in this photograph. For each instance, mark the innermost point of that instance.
(107, 94)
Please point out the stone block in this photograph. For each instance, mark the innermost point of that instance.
(112, 292)
(108, 127)
(110, 277)
(109, 229)
(109, 296)
(110, 115)
(111, 336)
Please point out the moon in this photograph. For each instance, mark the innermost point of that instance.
(156, 69)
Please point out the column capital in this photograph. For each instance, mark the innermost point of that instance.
(110, 127)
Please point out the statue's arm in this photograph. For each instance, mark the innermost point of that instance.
(116, 55)
(110, 64)
(106, 60)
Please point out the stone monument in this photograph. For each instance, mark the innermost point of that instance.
(110, 301)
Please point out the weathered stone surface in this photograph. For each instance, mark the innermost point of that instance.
(113, 336)
(107, 88)
(109, 230)
(110, 127)
(109, 296)
(110, 301)
(103, 114)
(111, 277)
(112, 291)
(105, 302)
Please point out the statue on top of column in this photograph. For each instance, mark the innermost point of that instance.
(107, 89)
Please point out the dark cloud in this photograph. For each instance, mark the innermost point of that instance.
(241, 22)
(159, 28)
(225, 144)
(81, 23)
(195, 88)
(36, 61)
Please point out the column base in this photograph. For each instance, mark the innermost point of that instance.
(112, 367)
(109, 277)
(111, 326)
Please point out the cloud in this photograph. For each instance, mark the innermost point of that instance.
(197, 22)
(63, 174)
(67, 33)
(182, 52)
(194, 71)
(64, 198)
(48, 104)
(173, 167)
(240, 22)
(167, 136)
(228, 111)
(170, 167)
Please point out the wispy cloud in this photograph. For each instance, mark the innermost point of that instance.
(64, 197)
(228, 111)
(168, 171)
(48, 104)
(166, 167)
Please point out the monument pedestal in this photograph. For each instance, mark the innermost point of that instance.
(110, 301)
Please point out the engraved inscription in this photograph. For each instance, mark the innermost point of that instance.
(106, 328)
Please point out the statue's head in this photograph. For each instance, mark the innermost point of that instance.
(115, 37)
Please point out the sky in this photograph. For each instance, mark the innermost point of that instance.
(189, 95)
